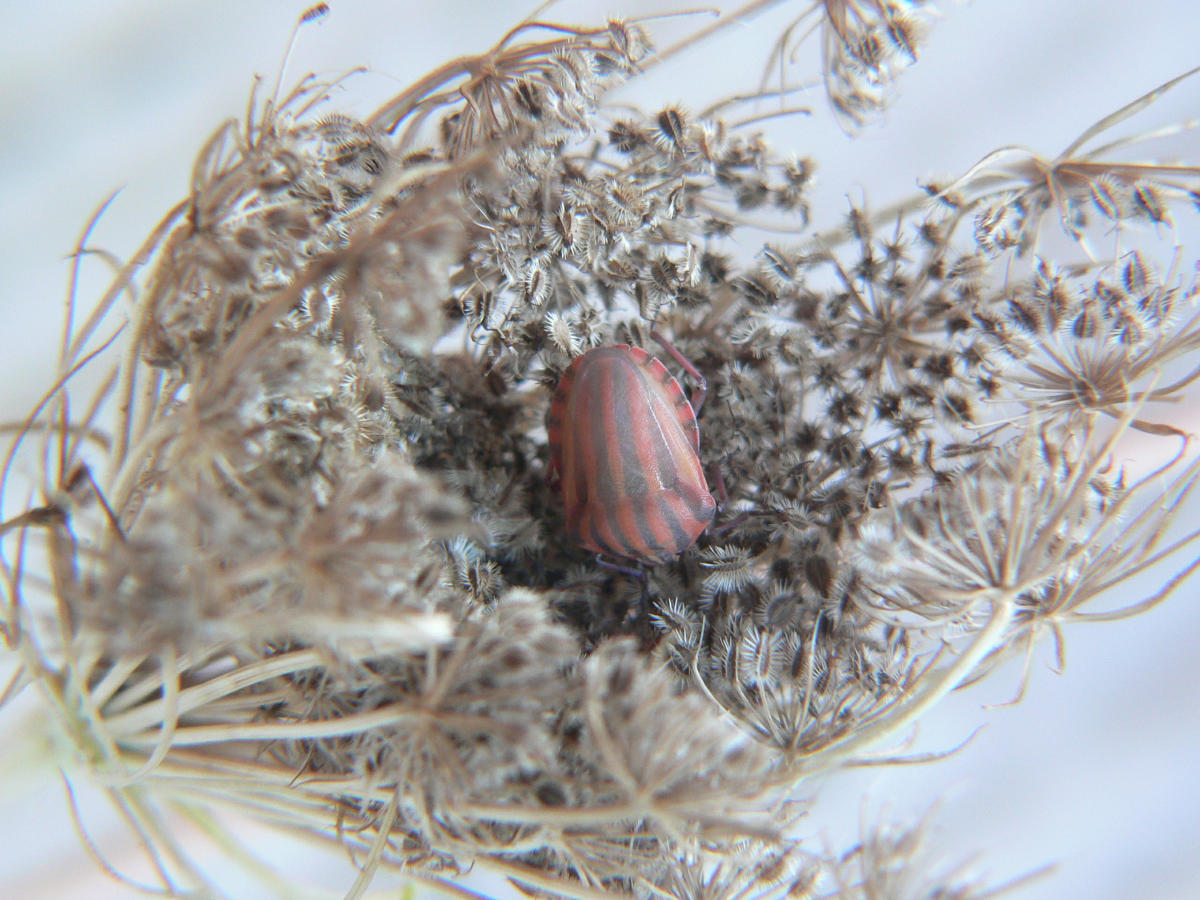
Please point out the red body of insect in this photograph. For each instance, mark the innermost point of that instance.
(625, 446)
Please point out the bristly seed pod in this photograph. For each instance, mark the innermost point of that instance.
(625, 446)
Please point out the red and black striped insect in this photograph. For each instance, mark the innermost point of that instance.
(626, 449)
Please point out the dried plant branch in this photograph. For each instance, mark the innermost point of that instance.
(296, 554)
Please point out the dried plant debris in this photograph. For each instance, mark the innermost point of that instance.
(864, 45)
(297, 551)
(1012, 189)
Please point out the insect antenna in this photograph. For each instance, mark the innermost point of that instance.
(701, 389)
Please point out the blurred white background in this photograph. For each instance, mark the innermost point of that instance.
(1094, 770)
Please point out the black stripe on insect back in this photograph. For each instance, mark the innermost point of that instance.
(680, 539)
(658, 455)
(686, 417)
(597, 542)
(611, 466)
(630, 405)
(680, 405)
(650, 452)
(603, 424)
(641, 449)
(664, 528)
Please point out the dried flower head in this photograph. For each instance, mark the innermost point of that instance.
(295, 549)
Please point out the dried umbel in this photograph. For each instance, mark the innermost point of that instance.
(299, 555)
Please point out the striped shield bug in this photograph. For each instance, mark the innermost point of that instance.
(625, 448)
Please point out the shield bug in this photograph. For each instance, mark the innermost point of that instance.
(626, 449)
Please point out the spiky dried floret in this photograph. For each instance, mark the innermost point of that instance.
(1012, 189)
(893, 861)
(864, 46)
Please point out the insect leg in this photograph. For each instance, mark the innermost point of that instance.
(624, 570)
(643, 614)
(701, 390)
(718, 482)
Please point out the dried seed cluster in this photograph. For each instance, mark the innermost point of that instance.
(315, 565)
(864, 46)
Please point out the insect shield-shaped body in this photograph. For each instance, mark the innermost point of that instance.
(625, 447)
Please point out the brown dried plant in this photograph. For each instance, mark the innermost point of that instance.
(294, 551)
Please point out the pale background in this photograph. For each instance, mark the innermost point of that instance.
(1095, 770)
